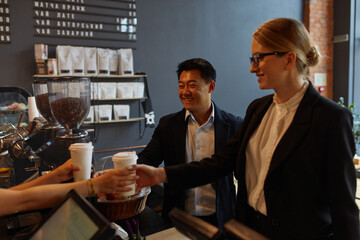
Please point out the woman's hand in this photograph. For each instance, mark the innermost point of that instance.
(99, 173)
(64, 172)
(115, 180)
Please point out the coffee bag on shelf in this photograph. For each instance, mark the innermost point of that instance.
(125, 90)
(103, 57)
(90, 116)
(138, 88)
(94, 92)
(126, 63)
(121, 112)
(77, 59)
(90, 61)
(113, 62)
(103, 112)
(64, 60)
(107, 90)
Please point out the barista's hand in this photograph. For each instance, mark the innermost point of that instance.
(149, 176)
(64, 172)
(99, 173)
(115, 180)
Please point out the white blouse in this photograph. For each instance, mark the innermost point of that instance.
(262, 145)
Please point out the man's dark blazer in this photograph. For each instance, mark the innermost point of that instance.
(311, 183)
(168, 145)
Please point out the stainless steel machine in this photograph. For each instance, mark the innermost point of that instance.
(64, 102)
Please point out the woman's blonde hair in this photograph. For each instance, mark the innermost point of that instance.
(286, 34)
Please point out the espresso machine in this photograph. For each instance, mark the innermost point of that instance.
(65, 103)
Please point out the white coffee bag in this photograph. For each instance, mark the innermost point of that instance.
(138, 88)
(90, 116)
(125, 90)
(90, 61)
(121, 112)
(77, 59)
(103, 57)
(126, 64)
(64, 60)
(107, 90)
(113, 62)
(94, 91)
(103, 113)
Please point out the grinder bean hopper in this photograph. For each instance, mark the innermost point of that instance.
(69, 99)
(41, 94)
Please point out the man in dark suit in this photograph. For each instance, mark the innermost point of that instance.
(197, 131)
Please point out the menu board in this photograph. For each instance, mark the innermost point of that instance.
(106, 20)
(4, 22)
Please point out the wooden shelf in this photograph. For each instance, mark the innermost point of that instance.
(90, 76)
(116, 121)
(119, 99)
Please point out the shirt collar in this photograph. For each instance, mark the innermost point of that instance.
(189, 115)
(294, 101)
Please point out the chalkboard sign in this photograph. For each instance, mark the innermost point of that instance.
(86, 19)
(4, 22)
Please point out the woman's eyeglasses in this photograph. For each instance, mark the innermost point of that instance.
(255, 58)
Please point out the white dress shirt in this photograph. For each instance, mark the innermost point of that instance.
(262, 145)
(200, 143)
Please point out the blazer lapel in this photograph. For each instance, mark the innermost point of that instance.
(297, 129)
(255, 121)
(249, 127)
(179, 128)
(221, 129)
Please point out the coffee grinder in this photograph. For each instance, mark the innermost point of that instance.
(66, 106)
(65, 103)
(52, 128)
(69, 99)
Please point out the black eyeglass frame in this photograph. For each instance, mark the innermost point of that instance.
(255, 58)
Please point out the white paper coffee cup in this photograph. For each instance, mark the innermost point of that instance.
(81, 156)
(123, 160)
(32, 109)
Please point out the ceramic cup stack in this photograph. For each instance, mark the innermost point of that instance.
(81, 156)
(123, 160)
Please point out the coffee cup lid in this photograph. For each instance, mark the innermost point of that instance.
(81, 146)
(125, 155)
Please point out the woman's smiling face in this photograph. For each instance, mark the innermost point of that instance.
(270, 69)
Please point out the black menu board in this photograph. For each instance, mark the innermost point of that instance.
(4, 21)
(107, 20)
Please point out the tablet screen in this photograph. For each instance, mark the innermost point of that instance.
(68, 222)
(74, 219)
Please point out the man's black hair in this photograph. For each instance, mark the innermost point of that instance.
(207, 70)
